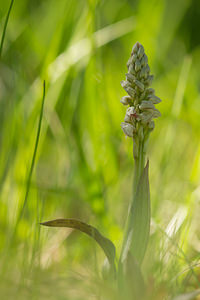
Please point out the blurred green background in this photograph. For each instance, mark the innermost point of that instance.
(84, 163)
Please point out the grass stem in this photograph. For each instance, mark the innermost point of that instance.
(34, 155)
(5, 26)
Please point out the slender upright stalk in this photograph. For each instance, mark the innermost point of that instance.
(139, 165)
(138, 124)
(138, 169)
(5, 26)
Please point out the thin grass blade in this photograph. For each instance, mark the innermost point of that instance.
(5, 26)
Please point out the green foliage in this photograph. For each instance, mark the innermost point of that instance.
(133, 281)
(136, 238)
(83, 167)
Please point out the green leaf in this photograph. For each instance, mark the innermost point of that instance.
(133, 278)
(107, 246)
(139, 220)
(188, 296)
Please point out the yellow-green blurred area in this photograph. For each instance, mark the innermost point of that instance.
(84, 164)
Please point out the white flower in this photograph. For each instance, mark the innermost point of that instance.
(139, 116)
(128, 129)
(146, 105)
(139, 84)
(154, 99)
(130, 114)
(126, 100)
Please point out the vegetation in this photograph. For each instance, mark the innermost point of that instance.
(63, 155)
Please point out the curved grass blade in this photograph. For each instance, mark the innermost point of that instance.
(107, 246)
(5, 26)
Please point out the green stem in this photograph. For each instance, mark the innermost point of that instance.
(139, 167)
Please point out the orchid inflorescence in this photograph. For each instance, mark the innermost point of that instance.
(138, 122)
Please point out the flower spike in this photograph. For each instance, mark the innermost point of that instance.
(141, 99)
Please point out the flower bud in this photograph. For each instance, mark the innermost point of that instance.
(135, 48)
(140, 52)
(129, 62)
(156, 113)
(139, 84)
(144, 60)
(130, 77)
(143, 95)
(133, 58)
(146, 117)
(126, 100)
(130, 91)
(147, 69)
(154, 99)
(146, 105)
(149, 80)
(125, 84)
(153, 113)
(130, 114)
(143, 72)
(131, 69)
(137, 65)
(128, 129)
(150, 91)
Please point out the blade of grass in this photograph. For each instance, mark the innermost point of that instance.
(101, 37)
(5, 26)
(181, 252)
(181, 86)
(34, 156)
(21, 212)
